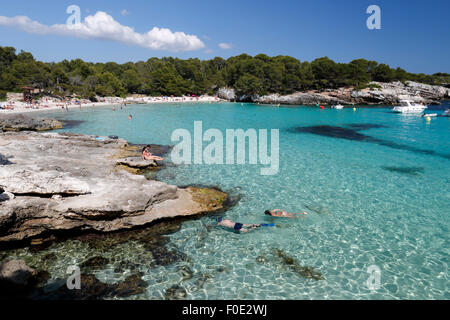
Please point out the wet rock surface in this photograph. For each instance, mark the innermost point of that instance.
(18, 280)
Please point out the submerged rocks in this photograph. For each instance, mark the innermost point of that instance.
(163, 256)
(94, 289)
(185, 272)
(175, 292)
(20, 122)
(18, 280)
(95, 263)
(304, 271)
(352, 133)
(132, 285)
(412, 171)
(137, 163)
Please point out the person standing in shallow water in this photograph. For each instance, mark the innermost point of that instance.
(130, 117)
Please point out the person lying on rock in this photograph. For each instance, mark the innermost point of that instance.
(147, 155)
(283, 214)
(236, 226)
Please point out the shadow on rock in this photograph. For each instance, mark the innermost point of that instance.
(4, 161)
(19, 281)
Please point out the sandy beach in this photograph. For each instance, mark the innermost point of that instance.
(48, 103)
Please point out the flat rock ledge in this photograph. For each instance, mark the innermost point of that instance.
(53, 182)
(20, 122)
(137, 163)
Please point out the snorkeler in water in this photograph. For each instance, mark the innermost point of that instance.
(284, 214)
(236, 226)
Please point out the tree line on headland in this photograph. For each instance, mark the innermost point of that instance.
(166, 76)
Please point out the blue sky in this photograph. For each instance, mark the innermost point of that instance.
(414, 35)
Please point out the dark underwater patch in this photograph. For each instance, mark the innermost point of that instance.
(365, 126)
(334, 132)
(412, 171)
(354, 135)
(70, 124)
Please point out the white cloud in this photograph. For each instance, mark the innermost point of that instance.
(103, 26)
(208, 51)
(124, 12)
(226, 46)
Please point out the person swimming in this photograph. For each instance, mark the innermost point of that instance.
(147, 155)
(236, 226)
(283, 214)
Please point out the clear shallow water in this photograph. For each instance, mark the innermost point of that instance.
(360, 214)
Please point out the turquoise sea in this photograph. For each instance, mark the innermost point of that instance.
(375, 185)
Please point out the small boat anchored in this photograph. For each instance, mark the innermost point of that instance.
(429, 115)
(338, 106)
(408, 106)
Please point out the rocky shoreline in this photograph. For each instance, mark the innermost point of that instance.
(54, 182)
(377, 93)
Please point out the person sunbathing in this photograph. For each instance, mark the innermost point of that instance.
(283, 214)
(147, 155)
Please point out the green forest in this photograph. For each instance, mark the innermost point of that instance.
(260, 74)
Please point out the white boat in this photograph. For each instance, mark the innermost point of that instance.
(338, 106)
(407, 106)
(446, 113)
(430, 115)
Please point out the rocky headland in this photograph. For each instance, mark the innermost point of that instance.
(56, 182)
(377, 93)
